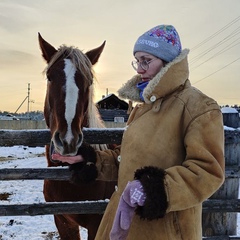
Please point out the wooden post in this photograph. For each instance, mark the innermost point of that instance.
(225, 223)
(231, 117)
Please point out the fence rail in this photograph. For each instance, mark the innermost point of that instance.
(42, 137)
(97, 207)
(49, 208)
(62, 174)
(40, 124)
(222, 238)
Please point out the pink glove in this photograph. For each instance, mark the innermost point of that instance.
(132, 196)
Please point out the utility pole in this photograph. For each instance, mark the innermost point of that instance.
(28, 96)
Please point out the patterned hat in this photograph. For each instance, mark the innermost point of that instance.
(161, 41)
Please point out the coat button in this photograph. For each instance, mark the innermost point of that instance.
(153, 98)
(119, 158)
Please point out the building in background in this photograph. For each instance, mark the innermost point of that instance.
(113, 109)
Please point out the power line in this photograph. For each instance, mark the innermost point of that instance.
(224, 40)
(216, 33)
(216, 71)
(230, 36)
(216, 54)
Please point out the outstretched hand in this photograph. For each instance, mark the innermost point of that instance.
(67, 159)
(85, 170)
(82, 166)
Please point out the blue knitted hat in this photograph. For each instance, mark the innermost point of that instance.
(161, 41)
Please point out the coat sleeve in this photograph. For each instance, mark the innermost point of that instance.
(107, 164)
(107, 161)
(200, 175)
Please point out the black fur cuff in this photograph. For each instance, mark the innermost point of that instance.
(152, 180)
(85, 172)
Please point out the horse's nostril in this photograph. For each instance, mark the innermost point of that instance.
(58, 143)
(80, 140)
(57, 140)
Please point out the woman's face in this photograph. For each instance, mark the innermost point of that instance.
(154, 65)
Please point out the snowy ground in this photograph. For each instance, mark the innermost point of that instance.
(28, 191)
(25, 191)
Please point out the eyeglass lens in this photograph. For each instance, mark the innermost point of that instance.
(144, 65)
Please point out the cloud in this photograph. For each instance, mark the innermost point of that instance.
(15, 17)
(14, 58)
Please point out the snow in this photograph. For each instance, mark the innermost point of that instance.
(229, 110)
(26, 191)
(29, 191)
(229, 128)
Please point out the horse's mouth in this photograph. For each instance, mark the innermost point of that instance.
(54, 152)
(51, 152)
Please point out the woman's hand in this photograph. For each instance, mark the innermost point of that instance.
(67, 159)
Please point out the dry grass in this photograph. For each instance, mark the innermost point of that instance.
(5, 196)
(50, 235)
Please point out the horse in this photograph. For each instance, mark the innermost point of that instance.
(69, 108)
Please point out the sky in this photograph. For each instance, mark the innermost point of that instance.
(209, 28)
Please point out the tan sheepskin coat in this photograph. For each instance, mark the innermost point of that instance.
(180, 130)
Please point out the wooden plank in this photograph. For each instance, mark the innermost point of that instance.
(231, 136)
(49, 208)
(222, 238)
(232, 172)
(62, 173)
(221, 205)
(35, 173)
(42, 137)
(217, 222)
(97, 207)
(91, 135)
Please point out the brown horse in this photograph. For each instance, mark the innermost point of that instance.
(68, 108)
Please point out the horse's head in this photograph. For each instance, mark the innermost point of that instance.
(69, 93)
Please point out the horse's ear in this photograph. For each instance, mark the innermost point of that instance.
(47, 49)
(94, 54)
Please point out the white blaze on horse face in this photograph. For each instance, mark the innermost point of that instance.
(71, 97)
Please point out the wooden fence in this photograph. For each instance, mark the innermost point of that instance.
(32, 124)
(219, 211)
(22, 124)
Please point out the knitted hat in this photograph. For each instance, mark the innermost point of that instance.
(161, 41)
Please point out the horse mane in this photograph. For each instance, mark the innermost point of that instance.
(82, 63)
(94, 118)
(79, 59)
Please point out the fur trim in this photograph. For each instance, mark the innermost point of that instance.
(152, 180)
(131, 92)
(155, 81)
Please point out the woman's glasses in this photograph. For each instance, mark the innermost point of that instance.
(143, 64)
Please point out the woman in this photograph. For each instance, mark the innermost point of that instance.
(172, 151)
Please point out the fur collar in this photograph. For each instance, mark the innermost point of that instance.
(165, 82)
